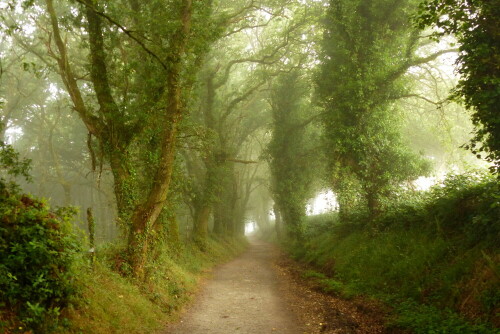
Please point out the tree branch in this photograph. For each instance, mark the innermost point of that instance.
(431, 57)
(240, 99)
(125, 31)
(419, 97)
(246, 162)
(268, 59)
(98, 68)
(91, 122)
(418, 61)
(244, 28)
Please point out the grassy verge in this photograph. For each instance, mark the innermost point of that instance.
(111, 303)
(435, 260)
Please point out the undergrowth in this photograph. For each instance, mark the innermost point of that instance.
(113, 303)
(434, 251)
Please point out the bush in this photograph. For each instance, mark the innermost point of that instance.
(319, 224)
(37, 251)
(467, 206)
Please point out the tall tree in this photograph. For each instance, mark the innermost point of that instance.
(175, 34)
(291, 152)
(367, 48)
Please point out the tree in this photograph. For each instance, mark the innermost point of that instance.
(290, 152)
(367, 48)
(152, 95)
(476, 25)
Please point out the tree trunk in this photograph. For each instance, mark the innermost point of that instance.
(277, 222)
(122, 184)
(373, 204)
(200, 231)
(145, 215)
(173, 230)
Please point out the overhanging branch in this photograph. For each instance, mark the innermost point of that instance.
(438, 103)
(125, 31)
(246, 162)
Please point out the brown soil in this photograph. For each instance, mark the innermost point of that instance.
(262, 291)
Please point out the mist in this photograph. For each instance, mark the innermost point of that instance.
(181, 125)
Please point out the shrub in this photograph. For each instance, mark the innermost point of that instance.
(36, 255)
(37, 251)
(467, 205)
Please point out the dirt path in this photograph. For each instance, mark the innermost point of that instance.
(243, 297)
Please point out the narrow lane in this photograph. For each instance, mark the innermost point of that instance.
(242, 297)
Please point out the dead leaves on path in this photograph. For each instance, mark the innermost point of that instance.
(327, 314)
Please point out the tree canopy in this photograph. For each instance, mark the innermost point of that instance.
(178, 120)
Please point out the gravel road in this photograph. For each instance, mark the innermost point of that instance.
(244, 296)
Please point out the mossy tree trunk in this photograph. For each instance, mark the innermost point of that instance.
(115, 130)
(146, 213)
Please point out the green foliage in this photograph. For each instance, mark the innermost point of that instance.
(326, 284)
(466, 206)
(438, 249)
(469, 204)
(37, 251)
(331, 286)
(475, 25)
(359, 79)
(322, 223)
(425, 319)
(313, 274)
(11, 164)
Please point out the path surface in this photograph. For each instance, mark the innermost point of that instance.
(243, 297)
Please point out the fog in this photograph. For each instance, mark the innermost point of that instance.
(252, 120)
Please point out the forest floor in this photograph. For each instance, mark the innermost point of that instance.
(263, 291)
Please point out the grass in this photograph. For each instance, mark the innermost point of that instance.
(425, 319)
(399, 265)
(111, 303)
(435, 259)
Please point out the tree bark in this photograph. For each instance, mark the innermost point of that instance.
(200, 231)
(373, 203)
(277, 222)
(146, 214)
